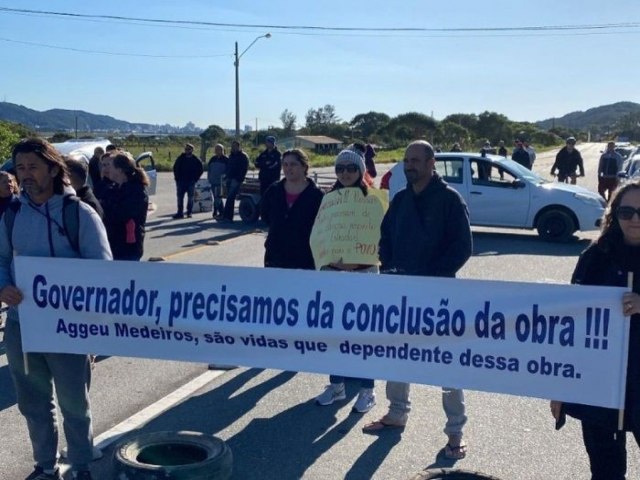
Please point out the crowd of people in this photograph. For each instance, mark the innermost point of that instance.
(226, 175)
(424, 232)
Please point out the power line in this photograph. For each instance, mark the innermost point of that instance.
(524, 28)
(122, 54)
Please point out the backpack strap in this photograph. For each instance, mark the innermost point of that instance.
(71, 220)
(9, 218)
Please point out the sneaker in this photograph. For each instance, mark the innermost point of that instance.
(332, 393)
(366, 400)
(189, 215)
(40, 474)
(82, 475)
(177, 216)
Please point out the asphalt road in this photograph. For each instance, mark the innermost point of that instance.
(268, 417)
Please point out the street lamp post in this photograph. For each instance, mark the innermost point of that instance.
(237, 65)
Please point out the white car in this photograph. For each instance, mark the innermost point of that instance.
(502, 193)
(80, 148)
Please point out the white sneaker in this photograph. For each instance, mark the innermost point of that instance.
(366, 400)
(332, 393)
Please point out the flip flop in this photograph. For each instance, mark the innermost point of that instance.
(380, 425)
(457, 452)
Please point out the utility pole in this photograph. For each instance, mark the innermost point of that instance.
(236, 64)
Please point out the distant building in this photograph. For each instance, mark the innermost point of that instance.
(319, 144)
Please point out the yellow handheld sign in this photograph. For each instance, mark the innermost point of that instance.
(347, 228)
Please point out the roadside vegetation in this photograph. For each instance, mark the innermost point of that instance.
(389, 134)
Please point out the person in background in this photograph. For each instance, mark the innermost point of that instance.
(456, 147)
(77, 169)
(8, 190)
(125, 207)
(350, 170)
(425, 232)
(531, 151)
(360, 148)
(289, 208)
(369, 162)
(502, 150)
(187, 170)
(608, 167)
(487, 149)
(269, 164)
(520, 155)
(216, 170)
(37, 231)
(101, 189)
(236, 173)
(607, 262)
(94, 166)
(568, 160)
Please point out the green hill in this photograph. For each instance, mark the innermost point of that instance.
(599, 118)
(57, 119)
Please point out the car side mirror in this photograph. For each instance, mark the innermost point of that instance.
(517, 183)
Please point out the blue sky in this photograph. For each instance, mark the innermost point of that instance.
(524, 75)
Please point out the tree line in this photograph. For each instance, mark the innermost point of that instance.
(468, 130)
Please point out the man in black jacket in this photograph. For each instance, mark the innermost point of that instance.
(187, 170)
(425, 232)
(520, 155)
(269, 163)
(236, 172)
(568, 160)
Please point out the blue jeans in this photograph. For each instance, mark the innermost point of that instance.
(216, 197)
(364, 382)
(189, 188)
(233, 188)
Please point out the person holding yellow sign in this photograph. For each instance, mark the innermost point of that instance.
(345, 238)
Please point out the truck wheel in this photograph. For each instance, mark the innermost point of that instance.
(172, 456)
(248, 210)
(555, 226)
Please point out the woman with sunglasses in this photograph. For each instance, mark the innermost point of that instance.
(607, 262)
(289, 208)
(350, 170)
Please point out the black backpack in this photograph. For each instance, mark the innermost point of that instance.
(70, 220)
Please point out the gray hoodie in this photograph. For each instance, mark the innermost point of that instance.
(38, 231)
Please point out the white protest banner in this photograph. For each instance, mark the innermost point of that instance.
(560, 342)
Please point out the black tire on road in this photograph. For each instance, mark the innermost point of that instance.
(556, 226)
(452, 474)
(172, 456)
(248, 210)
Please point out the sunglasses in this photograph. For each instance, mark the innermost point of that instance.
(627, 213)
(351, 168)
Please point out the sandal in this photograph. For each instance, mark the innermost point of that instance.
(380, 425)
(455, 452)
